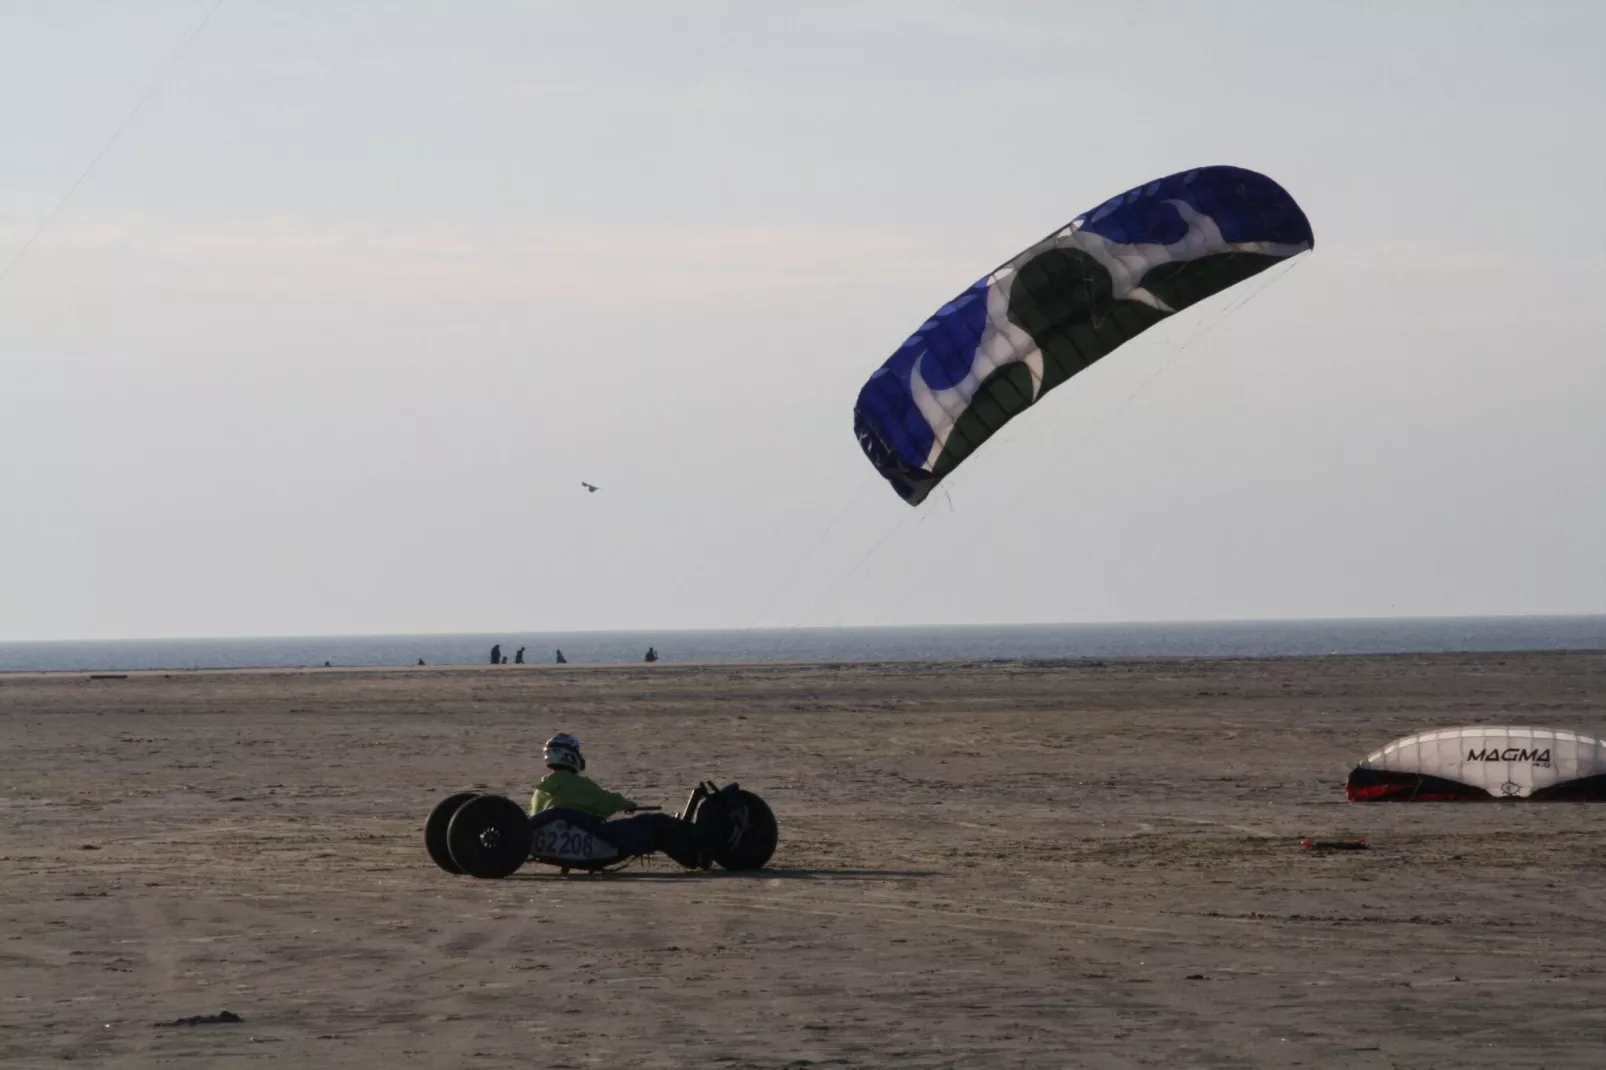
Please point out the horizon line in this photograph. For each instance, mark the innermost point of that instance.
(1195, 622)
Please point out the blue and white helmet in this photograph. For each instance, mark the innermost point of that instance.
(563, 752)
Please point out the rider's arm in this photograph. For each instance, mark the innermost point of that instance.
(596, 799)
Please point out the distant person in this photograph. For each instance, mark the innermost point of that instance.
(496, 654)
(518, 658)
(652, 654)
(420, 661)
(561, 659)
(504, 659)
(326, 665)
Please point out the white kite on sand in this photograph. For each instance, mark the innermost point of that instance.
(1483, 763)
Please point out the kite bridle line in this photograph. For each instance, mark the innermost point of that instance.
(106, 147)
(853, 570)
(814, 548)
(854, 577)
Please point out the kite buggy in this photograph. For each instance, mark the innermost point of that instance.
(490, 836)
(568, 825)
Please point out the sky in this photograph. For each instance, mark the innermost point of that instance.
(337, 317)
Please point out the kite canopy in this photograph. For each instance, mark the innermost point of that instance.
(1062, 304)
(1481, 764)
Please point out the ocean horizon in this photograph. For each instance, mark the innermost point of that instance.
(1195, 639)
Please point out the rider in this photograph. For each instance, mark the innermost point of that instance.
(565, 788)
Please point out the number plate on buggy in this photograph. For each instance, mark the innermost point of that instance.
(561, 840)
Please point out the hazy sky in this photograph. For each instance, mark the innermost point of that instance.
(328, 338)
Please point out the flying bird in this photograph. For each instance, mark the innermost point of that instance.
(588, 486)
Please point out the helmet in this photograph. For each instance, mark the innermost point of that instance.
(563, 752)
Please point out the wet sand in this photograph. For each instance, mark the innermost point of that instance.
(1072, 864)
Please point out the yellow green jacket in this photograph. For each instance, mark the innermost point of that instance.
(563, 790)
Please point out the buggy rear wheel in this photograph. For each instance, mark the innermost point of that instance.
(435, 830)
(489, 836)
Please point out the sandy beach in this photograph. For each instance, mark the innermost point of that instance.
(981, 864)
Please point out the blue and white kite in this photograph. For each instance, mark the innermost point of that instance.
(1061, 305)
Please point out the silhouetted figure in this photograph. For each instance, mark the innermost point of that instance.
(652, 655)
(504, 659)
(496, 654)
(420, 661)
(561, 659)
(326, 664)
(518, 657)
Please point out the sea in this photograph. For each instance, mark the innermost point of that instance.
(1006, 642)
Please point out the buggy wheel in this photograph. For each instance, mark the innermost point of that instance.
(489, 837)
(435, 830)
(742, 827)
